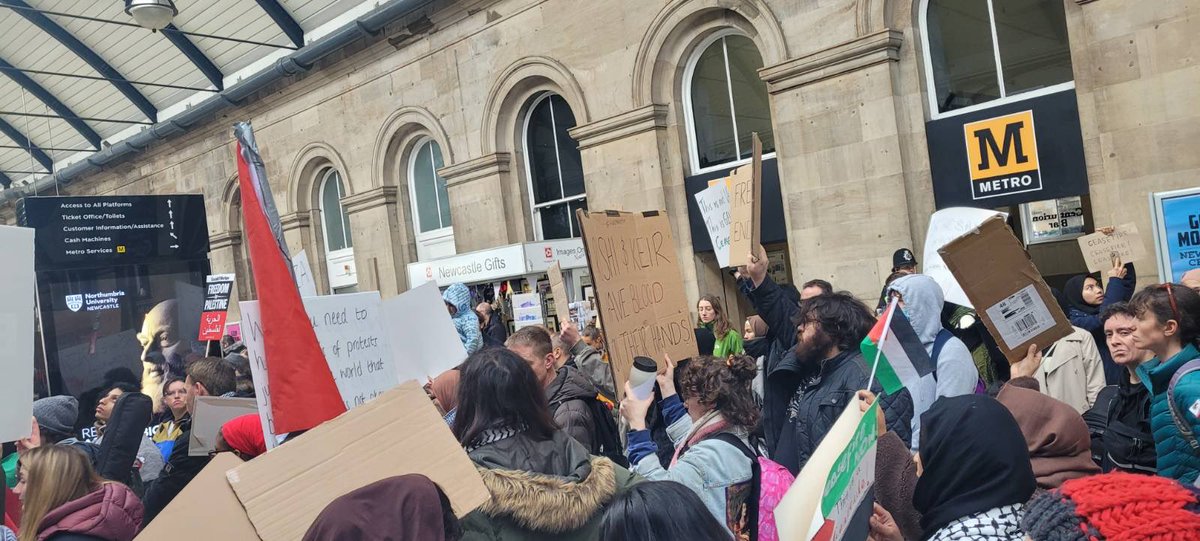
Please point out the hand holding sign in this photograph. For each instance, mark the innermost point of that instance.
(1100, 248)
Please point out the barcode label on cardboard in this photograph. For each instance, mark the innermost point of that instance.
(1020, 316)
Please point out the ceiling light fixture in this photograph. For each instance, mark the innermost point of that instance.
(152, 14)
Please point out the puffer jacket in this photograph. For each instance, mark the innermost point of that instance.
(1176, 458)
(823, 395)
(111, 512)
(543, 490)
(570, 396)
(465, 319)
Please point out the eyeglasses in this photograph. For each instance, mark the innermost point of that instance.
(1171, 297)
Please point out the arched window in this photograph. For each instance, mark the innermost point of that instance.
(726, 101)
(981, 51)
(430, 202)
(335, 224)
(554, 168)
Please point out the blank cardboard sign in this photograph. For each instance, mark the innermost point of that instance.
(212, 412)
(1006, 288)
(398, 433)
(205, 510)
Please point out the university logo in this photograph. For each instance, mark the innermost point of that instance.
(1002, 156)
(74, 302)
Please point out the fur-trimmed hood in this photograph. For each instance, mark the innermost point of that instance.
(549, 503)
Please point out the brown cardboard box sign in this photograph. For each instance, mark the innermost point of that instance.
(1006, 288)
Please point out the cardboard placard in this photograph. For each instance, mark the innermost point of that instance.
(944, 226)
(1005, 288)
(205, 509)
(1099, 249)
(211, 413)
(16, 332)
(713, 202)
(558, 288)
(639, 287)
(830, 499)
(756, 195)
(741, 212)
(399, 433)
(353, 335)
(423, 346)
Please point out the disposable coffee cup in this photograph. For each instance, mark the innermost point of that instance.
(641, 377)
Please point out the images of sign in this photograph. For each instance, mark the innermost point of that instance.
(1176, 217)
(216, 305)
(1002, 156)
(1007, 154)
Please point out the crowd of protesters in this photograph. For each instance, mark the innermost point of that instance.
(1092, 437)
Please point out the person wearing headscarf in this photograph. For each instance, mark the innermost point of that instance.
(1085, 298)
(403, 508)
(1115, 505)
(974, 471)
(1059, 444)
(466, 321)
(243, 435)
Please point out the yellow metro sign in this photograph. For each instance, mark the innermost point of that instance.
(1002, 156)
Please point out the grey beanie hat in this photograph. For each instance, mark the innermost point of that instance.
(57, 413)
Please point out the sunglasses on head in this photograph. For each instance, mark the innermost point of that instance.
(1171, 297)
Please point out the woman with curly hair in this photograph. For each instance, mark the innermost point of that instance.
(709, 421)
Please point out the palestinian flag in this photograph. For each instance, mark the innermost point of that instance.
(894, 346)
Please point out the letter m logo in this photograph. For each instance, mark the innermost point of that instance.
(1001, 146)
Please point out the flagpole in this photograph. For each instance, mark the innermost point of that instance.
(887, 325)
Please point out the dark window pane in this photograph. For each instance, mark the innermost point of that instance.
(1034, 52)
(710, 108)
(556, 224)
(543, 161)
(443, 197)
(331, 211)
(425, 189)
(750, 102)
(569, 161)
(960, 49)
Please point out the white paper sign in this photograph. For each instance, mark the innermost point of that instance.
(354, 337)
(305, 281)
(714, 208)
(944, 226)
(1021, 316)
(16, 333)
(527, 309)
(424, 340)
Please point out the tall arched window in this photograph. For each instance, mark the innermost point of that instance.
(554, 168)
(726, 101)
(981, 51)
(335, 224)
(430, 202)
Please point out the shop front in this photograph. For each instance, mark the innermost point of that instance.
(513, 278)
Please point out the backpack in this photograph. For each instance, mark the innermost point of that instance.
(769, 482)
(608, 436)
(1185, 431)
(939, 342)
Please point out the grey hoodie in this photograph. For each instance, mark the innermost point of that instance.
(956, 372)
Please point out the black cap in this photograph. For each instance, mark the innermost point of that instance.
(903, 258)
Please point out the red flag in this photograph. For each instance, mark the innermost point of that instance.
(303, 393)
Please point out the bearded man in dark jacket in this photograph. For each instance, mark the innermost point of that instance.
(814, 371)
(568, 391)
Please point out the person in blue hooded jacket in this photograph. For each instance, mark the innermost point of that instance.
(1086, 299)
(458, 302)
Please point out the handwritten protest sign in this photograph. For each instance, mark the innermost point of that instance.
(639, 287)
(354, 338)
(745, 202)
(562, 305)
(400, 433)
(423, 346)
(714, 209)
(211, 413)
(832, 497)
(16, 332)
(304, 275)
(1100, 250)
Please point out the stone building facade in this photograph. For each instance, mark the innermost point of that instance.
(847, 88)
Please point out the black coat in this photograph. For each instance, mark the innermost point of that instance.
(179, 471)
(570, 396)
(494, 331)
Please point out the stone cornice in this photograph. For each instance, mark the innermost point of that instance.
(481, 167)
(862, 52)
(224, 239)
(377, 197)
(296, 220)
(642, 119)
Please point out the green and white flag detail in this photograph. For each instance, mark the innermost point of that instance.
(843, 468)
